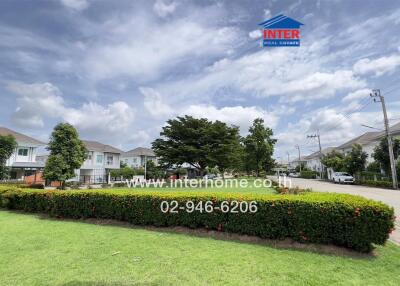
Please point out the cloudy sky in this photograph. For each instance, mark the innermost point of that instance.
(117, 70)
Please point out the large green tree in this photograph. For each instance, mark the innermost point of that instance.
(381, 154)
(259, 147)
(198, 142)
(7, 146)
(356, 160)
(67, 153)
(334, 160)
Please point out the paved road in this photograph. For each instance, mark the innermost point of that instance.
(390, 197)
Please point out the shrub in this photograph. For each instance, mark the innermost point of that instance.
(339, 219)
(308, 174)
(379, 184)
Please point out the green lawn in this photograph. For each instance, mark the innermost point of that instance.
(37, 251)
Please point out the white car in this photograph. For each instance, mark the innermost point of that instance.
(342, 177)
(294, 175)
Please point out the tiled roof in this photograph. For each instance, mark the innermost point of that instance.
(21, 138)
(100, 147)
(140, 151)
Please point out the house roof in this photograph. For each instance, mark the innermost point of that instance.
(369, 137)
(140, 151)
(21, 138)
(281, 22)
(100, 147)
(316, 154)
(362, 140)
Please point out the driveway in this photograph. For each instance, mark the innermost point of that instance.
(389, 197)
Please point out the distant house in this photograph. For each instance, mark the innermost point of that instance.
(313, 161)
(137, 157)
(101, 158)
(23, 161)
(297, 162)
(369, 141)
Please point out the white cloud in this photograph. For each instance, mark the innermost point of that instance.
(377, 66)
(356, 95)
(38, 101)
(235, 115)
(154, 103)
(78, 5)
(256, 34)
(141, 49)
(163, 9)
(267, 14)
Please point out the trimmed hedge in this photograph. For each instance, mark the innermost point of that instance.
(308, 174)
(327, 218)
(379, 184)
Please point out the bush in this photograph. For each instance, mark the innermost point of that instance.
(308, 174)
(379, 184)
(339, 219)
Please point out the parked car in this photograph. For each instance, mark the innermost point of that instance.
(294, 175)
(342, 177)
(210, 176)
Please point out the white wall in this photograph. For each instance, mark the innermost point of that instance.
(18, 156)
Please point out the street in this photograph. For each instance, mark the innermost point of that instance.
(389, 197)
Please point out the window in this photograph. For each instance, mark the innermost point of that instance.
(89, 156)
(134, 160)
(99, 159)
(23, 152)
(110, 159)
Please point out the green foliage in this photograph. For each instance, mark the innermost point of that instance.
(378, 184)
(259, 147)
(153, 171)
(339, 219)
(7, 146)
(381, 154)
(125, 172)
(67, 153)
(374, 167)
(308, 174)
(356, 159)
(198, 142)
(334, 160)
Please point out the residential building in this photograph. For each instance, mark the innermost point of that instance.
(313, 161)
(137, 157)
(297, 162)
(101, 158)
(369, 141)
(23, 160)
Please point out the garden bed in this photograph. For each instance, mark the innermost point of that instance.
(338, 219)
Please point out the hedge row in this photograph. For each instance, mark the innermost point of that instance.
(343, 220)
(379, 184)
(308, 174)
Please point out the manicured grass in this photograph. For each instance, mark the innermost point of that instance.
(37, 251)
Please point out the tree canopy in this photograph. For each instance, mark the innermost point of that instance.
(259, 147)
(355, 161)
(7, 146)
(381, 154)
(198, 142)
(67, 153)
(334, 160)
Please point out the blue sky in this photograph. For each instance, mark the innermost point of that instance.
(118, 70)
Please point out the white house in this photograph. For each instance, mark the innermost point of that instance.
(137, 157)
(23, 160)
(369, 141)
(101, 158)
(313, 161)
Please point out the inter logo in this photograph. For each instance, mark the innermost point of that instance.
(281, 31)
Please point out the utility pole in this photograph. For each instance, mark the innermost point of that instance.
(288, 160)
(320, 150)
(298, 149)
(376, 95)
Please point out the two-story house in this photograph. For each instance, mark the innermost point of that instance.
(23, 160)
(101, 158)
(137, 157)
